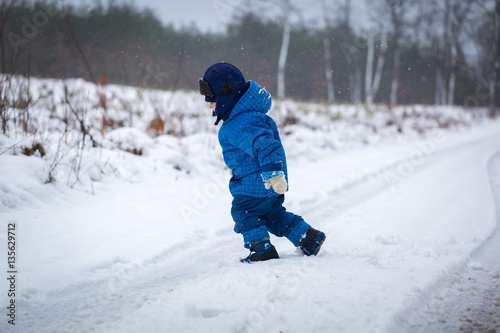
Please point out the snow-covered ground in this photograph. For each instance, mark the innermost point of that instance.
(119, 242)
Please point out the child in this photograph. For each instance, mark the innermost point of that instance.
(252, 149)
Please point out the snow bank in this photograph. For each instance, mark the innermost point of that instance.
(22, 181)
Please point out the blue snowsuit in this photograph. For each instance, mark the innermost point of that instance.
(252, 149)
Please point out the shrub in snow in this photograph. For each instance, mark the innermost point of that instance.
(156, 126)
(128, 139)
(36, 149)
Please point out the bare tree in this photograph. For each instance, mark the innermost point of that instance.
(443, 22)
(355, 84)
(372, 79)
(377, 25)
(485, 31)
(429, 24)
(351, 53)
(495, 94)
(397, 11)
(79, 48)
(284, 49)
(330, 89)
(5, 10)
(346, 8)
(460, 10)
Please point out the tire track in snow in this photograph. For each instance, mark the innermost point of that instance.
(381, 183)
(467, 298)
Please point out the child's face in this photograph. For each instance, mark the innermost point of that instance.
(212, 106)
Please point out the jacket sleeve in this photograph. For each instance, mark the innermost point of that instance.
(257, 139)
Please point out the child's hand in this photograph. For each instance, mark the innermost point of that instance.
(278, 184)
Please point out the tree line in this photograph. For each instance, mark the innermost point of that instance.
(410, 52)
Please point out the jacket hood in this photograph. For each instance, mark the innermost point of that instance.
(255, 98)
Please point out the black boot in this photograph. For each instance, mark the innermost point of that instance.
(261, 252)
(311, 243)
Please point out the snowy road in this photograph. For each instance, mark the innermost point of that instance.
(408, 247)
(467, 299)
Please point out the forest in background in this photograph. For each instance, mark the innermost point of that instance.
(413, 53)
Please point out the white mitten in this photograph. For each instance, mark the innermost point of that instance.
(278, 184)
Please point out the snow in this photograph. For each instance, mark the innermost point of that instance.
(139, 237)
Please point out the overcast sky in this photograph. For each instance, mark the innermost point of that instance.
(213, 15)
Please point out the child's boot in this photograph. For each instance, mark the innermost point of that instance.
(261, 249)
(261, 252)
(311, 243)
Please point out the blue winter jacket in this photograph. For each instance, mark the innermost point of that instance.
(251, 145)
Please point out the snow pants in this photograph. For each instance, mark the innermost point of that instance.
(254, 217)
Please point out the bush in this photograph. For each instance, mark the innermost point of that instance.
(35, 147)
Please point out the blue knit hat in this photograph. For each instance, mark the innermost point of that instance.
(223, 84)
